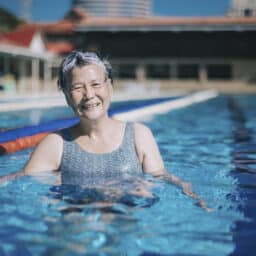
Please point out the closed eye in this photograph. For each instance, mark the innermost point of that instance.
(76, 87)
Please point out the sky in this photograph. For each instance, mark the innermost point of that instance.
(54, 10)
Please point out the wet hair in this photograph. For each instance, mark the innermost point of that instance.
(80, 59)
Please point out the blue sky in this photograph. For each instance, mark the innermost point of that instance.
(53, 10)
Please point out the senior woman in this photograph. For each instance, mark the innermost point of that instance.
(99, 148)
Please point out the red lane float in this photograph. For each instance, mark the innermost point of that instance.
(21, 143)
(14, 140)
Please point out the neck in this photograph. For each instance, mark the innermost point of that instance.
(93, 128)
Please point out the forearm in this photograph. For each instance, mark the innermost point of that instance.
(11, 177)
(169, 177)
(185, 186)
(172, 179)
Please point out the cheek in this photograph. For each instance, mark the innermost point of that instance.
(105, 94)
(75, 96)
(71, 99)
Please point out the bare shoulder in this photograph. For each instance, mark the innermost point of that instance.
(47, 154)
(51, 145)
(142, 131)
(143, 136)
(147, 149)
(51, 139)
(141, 128)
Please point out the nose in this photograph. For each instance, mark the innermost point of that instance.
(88, 92)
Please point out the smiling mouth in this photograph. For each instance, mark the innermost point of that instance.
(89, 106)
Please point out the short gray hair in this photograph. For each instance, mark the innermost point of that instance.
(80, 59)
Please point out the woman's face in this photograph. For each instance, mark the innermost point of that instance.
(90, 92)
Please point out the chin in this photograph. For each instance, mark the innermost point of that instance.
(92, 116)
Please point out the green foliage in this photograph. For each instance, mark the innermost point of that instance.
(8, 21)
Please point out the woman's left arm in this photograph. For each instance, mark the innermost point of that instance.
(152, 162)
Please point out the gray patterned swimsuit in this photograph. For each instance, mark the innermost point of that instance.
(80, 167)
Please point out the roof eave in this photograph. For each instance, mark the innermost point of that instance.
(170, 28)
(25, 52)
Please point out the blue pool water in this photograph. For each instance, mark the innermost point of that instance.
(211, 144)
(35, 116)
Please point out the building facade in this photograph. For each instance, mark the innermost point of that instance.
(161, 50)
(240, 8)
(114, 8)
(174, 49)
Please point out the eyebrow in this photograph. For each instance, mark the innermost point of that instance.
(76, 83)
(92, 81)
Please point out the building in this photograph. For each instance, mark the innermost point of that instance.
(160, 52)
(28, 61)
(240, 8)
(173, 49)
(114, 8)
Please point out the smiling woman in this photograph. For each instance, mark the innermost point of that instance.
(90, 91)
(99, 150)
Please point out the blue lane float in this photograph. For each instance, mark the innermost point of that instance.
(29, 136)
(16, 133)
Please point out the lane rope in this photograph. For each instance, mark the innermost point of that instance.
(18, 139)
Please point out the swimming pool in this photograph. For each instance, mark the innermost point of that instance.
(35, 116)
(200, 144)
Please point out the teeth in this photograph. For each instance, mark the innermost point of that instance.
(88, 106)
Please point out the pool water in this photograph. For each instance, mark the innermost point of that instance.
(199, 144)
(35, 116)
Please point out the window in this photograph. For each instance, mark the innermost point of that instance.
(188, 71)
(220, 71)
(126, 71)
(158, 71)
(248, 12)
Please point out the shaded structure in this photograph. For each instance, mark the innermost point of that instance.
(28, 61)
(200, 48)
(25, 59)
(245, 8)
(152, 49)
(114, 8)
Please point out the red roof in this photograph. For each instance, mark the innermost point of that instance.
(84, 20)
(64, 26)
(19, 37)
(60, 47)
(24, 34)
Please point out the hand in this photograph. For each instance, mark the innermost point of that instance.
(201, 203)
(3, 180)
(187, 190)
(9, 177)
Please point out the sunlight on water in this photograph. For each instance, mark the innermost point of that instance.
(196, 144)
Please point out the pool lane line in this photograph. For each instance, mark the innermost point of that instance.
(138, 109)
(15, 133)
(21, 138)
(163, 107)
(21, 143)
(31, 103)
(243, 158)
(26, 103)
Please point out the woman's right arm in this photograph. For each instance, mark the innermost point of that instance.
(46, 157)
